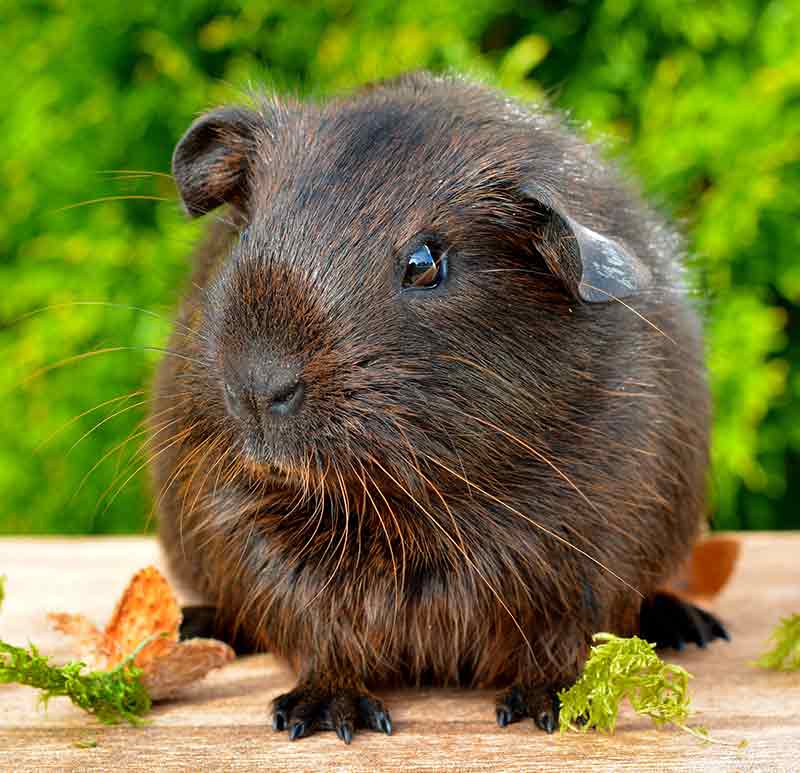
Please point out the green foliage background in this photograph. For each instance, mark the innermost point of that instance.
(700, 98)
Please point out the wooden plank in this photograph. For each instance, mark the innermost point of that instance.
(223, 722)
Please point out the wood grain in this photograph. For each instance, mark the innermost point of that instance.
(223, 723)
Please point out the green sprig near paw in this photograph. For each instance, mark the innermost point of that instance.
(620, 668)
(137, 658)
(110, 695)
(785, 654)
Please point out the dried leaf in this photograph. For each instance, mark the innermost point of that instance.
(88, 638)
(187, 662)
(708, 569)
(148, 607)
(147, 616)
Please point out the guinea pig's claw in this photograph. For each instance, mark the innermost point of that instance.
(668, 621)
(539, 703)
(383, 722)
(345, 731)
(297, 730)
(279, 720)
(310, 707)
(546, 720)
(504, 717)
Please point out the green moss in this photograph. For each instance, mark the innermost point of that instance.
(785, 655)
(110, 695)
(619, 669)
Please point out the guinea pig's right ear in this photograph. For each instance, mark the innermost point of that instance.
(211, 162)
(593, 266)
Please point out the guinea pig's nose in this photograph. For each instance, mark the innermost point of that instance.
(279, 392)
(275, 392)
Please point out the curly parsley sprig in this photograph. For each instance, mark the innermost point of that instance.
(785, 654)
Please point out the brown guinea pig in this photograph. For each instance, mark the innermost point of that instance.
(437, 411)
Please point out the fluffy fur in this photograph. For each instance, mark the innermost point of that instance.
(482, 475)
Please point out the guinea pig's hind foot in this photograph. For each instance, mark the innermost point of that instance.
(313, 706)
(539, 703)
(198, 622)
(203, 622)
(668, 621)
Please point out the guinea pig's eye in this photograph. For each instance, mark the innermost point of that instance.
(426, 267)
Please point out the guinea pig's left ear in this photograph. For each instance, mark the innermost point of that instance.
(594, 267)
(211, 162)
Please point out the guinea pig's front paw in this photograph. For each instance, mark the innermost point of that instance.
(539, 703)
(313, 706)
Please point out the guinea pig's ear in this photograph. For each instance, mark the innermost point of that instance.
(211, 162)
(595, 268)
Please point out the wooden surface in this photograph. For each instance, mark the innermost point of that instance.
(223, 722)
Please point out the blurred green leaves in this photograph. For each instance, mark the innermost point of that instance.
(698, 99)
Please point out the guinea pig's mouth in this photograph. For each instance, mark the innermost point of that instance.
(268, 468)
(266, 453)
(274, 465)
(271, 466)
(348, 482)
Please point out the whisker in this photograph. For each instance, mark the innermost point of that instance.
(243, 552)
(630, 308)
(540, 456)
(342, 542)
(176, 472)
(388, 542)
(178, 438)
(132, 436)
(109, 304)
(96, 353)
(318, 513)
(465, 555)
(118, 475)
(538, 525)
(577, 428)
(611, 296)
(219, 463)
(103, 199)
(69, 423)
(209, 446)
(428, 482)
(165, 487)
(136, 173)
(107, 419)
(513, 271)
(219, 473)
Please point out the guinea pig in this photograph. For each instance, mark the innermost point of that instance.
(436, 410)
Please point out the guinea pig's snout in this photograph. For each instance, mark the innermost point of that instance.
(279, 393)
(269, 392)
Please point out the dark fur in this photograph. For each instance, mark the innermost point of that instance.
(383, 534)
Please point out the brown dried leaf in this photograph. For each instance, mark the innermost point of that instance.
(88, 638)
(147, 608)
(708, 569)
(187, 662)
(712, 564)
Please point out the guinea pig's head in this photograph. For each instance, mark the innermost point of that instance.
(420, 273)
